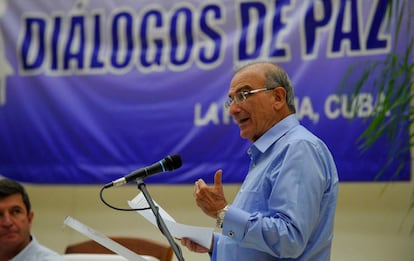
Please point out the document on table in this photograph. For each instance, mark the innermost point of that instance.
(200, 235)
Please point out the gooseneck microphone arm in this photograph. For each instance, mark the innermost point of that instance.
(160, 222)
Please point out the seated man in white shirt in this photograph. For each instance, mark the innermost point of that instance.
(16, 217)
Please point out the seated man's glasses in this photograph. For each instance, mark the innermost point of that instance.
(242, 96)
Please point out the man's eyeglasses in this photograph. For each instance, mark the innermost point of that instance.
(242, 96)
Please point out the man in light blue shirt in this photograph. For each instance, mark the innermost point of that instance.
(286, 205)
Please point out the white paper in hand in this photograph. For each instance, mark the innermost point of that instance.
(200, 235)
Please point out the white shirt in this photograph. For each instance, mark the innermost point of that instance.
(37, 252)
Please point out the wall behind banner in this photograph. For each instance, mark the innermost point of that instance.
(370, 224)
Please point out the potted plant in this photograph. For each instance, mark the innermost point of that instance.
(393, 78)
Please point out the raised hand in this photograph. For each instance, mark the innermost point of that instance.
(210, 198)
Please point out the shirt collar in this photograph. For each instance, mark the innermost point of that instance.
(275, 133)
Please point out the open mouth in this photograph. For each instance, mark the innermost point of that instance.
(241, 121)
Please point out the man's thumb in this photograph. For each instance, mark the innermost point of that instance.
(217, 178)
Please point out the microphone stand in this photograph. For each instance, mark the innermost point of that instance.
(160, 222)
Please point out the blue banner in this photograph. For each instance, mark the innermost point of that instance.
(92, 90)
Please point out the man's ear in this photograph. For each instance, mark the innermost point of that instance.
(279, 94)
(30, 216)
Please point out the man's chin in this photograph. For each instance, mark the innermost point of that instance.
(244, 134)
(9, 242)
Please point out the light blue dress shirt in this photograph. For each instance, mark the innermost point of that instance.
(286, 205)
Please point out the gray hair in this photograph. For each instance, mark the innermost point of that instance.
(279, 77)
(276, 77)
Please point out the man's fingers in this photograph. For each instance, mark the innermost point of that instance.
(200, 183)
(193, 246)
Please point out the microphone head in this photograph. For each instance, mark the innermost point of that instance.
(172, 162)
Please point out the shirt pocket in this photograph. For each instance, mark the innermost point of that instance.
(251, 200)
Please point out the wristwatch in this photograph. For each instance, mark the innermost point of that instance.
(220, 217)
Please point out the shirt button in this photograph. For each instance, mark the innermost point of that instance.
(230, 233)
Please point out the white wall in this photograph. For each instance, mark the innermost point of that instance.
(371, 224)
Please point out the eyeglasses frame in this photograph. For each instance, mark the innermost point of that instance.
(242, 96)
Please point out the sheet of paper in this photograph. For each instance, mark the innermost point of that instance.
(102, 239)
(200, 235)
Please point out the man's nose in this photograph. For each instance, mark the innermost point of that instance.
(234, 108)
(6, 219)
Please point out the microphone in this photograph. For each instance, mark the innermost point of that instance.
(167, 164)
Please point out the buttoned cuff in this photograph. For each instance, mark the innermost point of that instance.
(235, 222)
